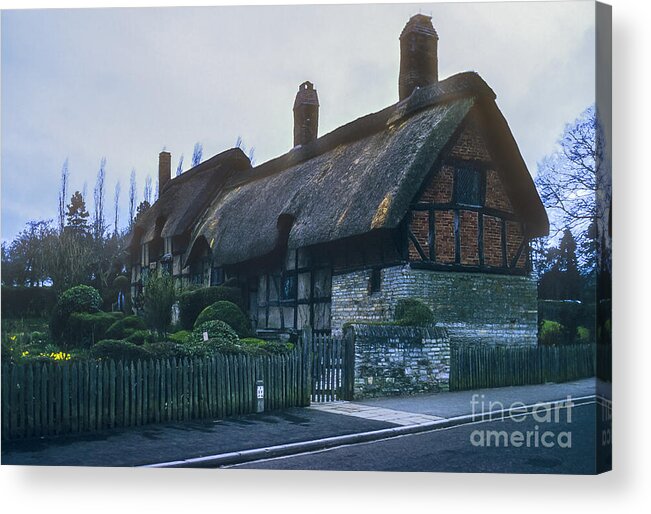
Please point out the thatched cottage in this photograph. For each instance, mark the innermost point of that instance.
(428, 198)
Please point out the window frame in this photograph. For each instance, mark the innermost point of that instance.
(481, 186)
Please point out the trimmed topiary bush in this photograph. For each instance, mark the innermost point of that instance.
(124, 327)
(83, 329)
(262, 347)
(141, 337)
(179, 337)
(191, 303)
(118, 350)
(413, 312)
(221, 337)
(164, 349)
(76, 299)
(227, 312)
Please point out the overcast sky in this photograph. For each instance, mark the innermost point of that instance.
(83, 84)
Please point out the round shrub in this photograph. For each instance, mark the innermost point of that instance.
(413, 312)
(76, 299)
(124, 327)
(191, 303)
(121, 283)
(227, 312)
(118, 350)
(221, 337)
(582, 335)
(216, 330)
(141, 337)
(552, 332)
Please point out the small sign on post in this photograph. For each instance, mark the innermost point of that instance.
(205, 336)
(259, 394)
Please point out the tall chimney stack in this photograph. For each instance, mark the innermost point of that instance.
(164, 170)
(306, 114)
(418, 55)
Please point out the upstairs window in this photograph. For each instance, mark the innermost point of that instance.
(468, 187)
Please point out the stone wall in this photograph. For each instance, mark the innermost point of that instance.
(392, 360)
(473, 307)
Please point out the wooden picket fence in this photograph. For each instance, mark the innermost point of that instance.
(483, 366)
(45, 399)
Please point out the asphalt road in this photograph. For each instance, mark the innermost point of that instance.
(571, 449)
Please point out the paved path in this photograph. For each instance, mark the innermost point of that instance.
(423, 409)
(360, 410)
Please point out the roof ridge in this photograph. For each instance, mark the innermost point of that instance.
(460, 85)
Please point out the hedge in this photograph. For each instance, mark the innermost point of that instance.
(413, 312)
(27, 302)
(118, 350)
(191, 303)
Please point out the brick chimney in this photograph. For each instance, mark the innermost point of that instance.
(418, 55)
(306, 114)
(164, 170)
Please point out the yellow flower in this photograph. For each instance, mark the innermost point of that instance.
(13, 338)
(25, 353)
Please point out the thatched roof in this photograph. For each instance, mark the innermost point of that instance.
(185, 197)
(360, 177)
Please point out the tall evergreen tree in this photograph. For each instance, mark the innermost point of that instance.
(77, 215)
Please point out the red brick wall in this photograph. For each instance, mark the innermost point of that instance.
(495, 195)
(444, 229)
(439, 190)
(492, 241)
(420, 228)
(469, 146)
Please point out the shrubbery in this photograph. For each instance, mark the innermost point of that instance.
(191, 303)
(76, 299)
(159, 297)
(125, 327)
(22, 302)
(552, 332)
(413, 312)
(227, 312)
(118, 350)
(141, 337)
(179, 337)
(221, 337)
(84, 328)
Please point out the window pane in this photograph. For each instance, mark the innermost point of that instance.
(468, 186)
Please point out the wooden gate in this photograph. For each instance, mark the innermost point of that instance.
(332, 367)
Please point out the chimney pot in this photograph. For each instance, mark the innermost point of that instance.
(164, 170)
(418, 55)
(306, 114)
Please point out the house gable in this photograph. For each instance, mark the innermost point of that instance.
(463, 216)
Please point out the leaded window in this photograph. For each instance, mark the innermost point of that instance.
(468, 186)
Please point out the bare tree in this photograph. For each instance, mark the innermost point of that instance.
(197, 153)
(132, 198)
(116, 208)
(179, 168)
(568, 182)
(99, 224)
(147, 191)
(63, 194)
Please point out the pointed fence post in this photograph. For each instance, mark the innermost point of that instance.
(306, 339)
